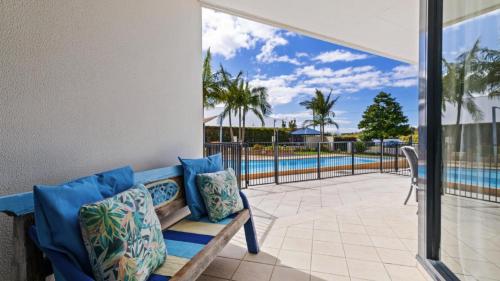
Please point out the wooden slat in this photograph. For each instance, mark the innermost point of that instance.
(165, 211)
(195, 267)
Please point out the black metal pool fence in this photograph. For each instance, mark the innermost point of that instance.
(284, 162)
(465, 174)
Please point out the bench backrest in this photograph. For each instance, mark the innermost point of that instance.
(169, 199)
(166, 186)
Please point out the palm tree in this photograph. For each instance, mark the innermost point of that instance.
(474, 71)
(230, 88)
(323, 114)
(211, 84)
(492, 68)
(252, 99)
(461, 80)
(239, 98)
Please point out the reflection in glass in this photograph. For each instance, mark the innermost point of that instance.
(470, 132)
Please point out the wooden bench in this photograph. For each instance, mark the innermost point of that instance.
(29, 263)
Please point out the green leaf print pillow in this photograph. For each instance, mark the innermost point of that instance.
(123, 237)
(220, 193)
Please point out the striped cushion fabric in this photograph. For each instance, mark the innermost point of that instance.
(184, 240)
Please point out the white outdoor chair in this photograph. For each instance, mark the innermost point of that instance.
(412, 158)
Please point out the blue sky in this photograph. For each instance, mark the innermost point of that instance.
(291, 66)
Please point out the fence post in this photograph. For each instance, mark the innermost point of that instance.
(318, 160)
(352, 157)
(247, 168)
(276, 158)
(396, 164)
(381, 156)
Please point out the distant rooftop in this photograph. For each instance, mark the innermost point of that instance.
(305, 132)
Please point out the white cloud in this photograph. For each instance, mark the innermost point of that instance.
(405, 76)
(405, 83)
(282, 89)
(339, 55)
(312, 71)
(405, 71)
(225, 34)
(267, 54)
(354, 79)
(301, 55)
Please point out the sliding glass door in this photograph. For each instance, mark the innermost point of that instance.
(459, 175)
(470, 201)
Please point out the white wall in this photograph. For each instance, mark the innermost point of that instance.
(92, 85)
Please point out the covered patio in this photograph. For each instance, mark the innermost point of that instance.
(349, 228)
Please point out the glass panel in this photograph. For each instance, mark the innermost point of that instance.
(470, 132)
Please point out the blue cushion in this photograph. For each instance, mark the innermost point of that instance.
(56, 217)
(192, 167)
(115, 181)
(57, 207)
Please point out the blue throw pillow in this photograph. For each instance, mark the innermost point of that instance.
(193, 167)
(56, 210)
(56, 217)
(115, 181)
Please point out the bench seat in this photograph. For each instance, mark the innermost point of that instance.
(191, 243)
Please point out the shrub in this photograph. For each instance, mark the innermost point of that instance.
(258, 147)
(252, 134)
(359, 147)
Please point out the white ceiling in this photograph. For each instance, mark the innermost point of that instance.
(384, 27)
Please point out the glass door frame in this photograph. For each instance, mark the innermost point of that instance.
(430, 142)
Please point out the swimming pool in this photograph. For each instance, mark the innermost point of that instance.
(482, 177)
(262, 166)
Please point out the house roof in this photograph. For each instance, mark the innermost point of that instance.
(305, 132)
(208, 119)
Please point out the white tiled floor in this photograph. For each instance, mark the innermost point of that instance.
(349, 228)
(471, 238)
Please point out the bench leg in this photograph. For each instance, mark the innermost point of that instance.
(250, 232)
(28, 262)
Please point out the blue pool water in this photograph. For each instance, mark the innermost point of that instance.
(262, 166)
(488, 178)
(483, 177)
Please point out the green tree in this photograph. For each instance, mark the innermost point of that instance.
(239, 99)
(251, 99)
(230, 88)
(473, 72)
(322, 108)
(292, 124)
(491, 66)
(211, 84)
(461, 79)
(383, 119)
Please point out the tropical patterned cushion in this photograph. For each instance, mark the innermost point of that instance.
(123, 236)
(220, 193)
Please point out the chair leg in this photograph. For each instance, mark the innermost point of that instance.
(409, 194)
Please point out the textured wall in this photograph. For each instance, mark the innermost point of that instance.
(91, 85)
